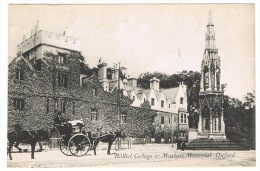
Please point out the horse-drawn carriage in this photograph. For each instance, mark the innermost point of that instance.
(77, 142)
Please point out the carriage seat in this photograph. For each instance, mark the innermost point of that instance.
(77, 126)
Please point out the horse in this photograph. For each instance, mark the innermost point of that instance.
(16, 145)
(108, 137)
(29, 137)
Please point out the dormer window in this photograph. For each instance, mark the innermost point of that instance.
(169, 105)
(181, 100)
(152, 101)
(144, 99)
(162, 120)
(133, 98)
(162, 103)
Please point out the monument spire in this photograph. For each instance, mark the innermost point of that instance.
(211, 120)
(210, 19)
(210, 34)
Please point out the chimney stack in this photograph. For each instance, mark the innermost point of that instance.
(32, 32)
(155, 84)
(24, 37)
(102, 74)
(102, 69)
(37, 27)
(132, 82)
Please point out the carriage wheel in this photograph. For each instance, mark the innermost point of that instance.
(64, 147)
(79, 145)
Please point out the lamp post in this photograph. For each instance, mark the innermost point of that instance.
(119, 96)
(171, 130)
(119, 105)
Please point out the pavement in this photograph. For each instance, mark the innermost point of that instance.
(148, 155)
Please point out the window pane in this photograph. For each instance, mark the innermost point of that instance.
(162, 120)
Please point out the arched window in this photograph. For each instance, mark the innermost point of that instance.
(206, 77)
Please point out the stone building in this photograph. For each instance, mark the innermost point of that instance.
(45, 79)
(170, 104)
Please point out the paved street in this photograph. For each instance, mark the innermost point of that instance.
(149, 155)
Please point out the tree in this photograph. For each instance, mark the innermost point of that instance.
(250, 98)
(146, 104)
(189, 78)
(240, 120)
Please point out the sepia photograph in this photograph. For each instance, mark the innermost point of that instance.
(138, 85)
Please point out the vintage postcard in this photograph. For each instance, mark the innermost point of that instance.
(131, 85)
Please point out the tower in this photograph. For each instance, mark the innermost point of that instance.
(211, 120)
(102, 74)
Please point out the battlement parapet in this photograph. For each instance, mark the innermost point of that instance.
(49, 38)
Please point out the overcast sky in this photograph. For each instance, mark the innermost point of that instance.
(148, 38)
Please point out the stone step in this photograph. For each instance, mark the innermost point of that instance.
(219, 149)
(213, 144)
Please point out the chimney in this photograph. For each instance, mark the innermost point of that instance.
(102, 69)
(24, 37)
(184, 87)
(32, 32)
(155, 84)
(123, 70)
(132, 82)
(115, 72)
(37, 27)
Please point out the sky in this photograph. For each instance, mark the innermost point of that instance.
(149, 38)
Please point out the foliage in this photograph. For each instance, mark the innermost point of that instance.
(43, 99)
(146, 104)
(250, 98)
(240, 121)
(189, 78)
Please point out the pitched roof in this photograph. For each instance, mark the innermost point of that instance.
(24, 59)
(170, 93)
(128, 87)
(146, 92)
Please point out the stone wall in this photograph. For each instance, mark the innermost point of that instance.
(43, 97)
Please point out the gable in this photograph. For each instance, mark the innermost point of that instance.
(171, 93)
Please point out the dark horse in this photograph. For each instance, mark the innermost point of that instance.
(108, 137)
(29, 137)
(16, 145)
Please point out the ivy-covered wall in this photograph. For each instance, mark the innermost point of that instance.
(43, 98)
(167, 127)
